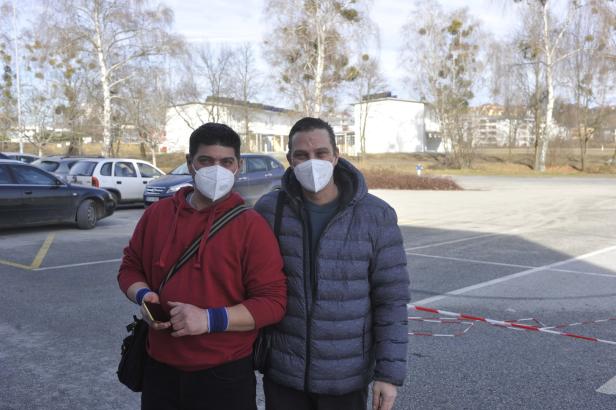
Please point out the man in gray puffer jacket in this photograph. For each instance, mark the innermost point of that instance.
(348, 287)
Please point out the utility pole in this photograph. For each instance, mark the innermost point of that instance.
(15, 45)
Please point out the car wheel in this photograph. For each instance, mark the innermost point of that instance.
(86, 215)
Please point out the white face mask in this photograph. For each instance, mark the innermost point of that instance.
(314, 174)
(214, 181)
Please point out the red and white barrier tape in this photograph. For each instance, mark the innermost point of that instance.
(507, 324)
(441, 320)
(587, 322)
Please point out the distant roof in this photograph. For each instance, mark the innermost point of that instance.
(378, 97)
(233, 101)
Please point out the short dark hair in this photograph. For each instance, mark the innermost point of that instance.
(309, 124)
(213, 133)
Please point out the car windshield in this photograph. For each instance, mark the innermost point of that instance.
(83, 168)
(181, 170)
(49, 166)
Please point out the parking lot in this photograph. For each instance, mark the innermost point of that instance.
(541, 252)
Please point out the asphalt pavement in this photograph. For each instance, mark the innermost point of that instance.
(534, 251)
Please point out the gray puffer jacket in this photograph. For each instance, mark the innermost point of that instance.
(346, 320)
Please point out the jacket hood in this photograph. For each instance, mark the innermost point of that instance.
(348, 179)
(182, 209)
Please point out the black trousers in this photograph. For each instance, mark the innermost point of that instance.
(231, 386)
(278, 397)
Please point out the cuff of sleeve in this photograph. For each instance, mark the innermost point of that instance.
(396, 383)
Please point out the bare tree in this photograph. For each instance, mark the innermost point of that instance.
(605, 12)
(216, 70)
(146, 106)
(39, 113)
(112, 35)
(309, 44)
(247, 80)
(365, 81)
(589, 77)
(56, 68)
(7, 79)
(207, 80)
(509, 87)
(441, 56)
(9, 89)
(550, 54)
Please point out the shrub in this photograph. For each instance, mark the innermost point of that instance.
(379, 178)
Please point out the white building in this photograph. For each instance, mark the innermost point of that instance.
(268, 126)
(493, 128)
(390, 124)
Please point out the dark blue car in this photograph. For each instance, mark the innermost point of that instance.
(259, 175)
(32, 196)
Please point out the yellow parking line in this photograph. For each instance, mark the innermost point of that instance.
(14, 264)
(38, 259)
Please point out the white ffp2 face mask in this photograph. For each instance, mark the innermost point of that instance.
(214, 181)
(314, 174)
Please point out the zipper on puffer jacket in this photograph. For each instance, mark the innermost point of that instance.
(307, 284)
(312, 267)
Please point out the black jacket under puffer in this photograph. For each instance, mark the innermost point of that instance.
(346, 319)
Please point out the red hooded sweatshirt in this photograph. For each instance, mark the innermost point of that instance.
(240, 264)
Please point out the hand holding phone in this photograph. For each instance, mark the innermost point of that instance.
(155, 312)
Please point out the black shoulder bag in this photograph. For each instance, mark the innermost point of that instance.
(133, 357)
(263, 344)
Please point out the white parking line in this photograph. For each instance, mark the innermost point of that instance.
(609, 387)
(468, 238)
(78, 264)
(510, 277)
(509, 265)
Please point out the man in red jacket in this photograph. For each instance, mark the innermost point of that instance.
(232, 286)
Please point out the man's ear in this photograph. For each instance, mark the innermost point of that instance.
(336, 156)
(191, 169)
(289, 159)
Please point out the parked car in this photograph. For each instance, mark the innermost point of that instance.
(124, 178)
(58, 165)
(32, 196)
(23, 157)
(258, 175)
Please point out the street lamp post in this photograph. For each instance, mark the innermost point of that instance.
(19, 130)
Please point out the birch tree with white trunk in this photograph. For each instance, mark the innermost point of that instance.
(309, 45)
(112, 35)
(552, 53)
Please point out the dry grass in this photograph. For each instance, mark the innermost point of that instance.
(491, 162)
(168, 162)
(398, 170)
